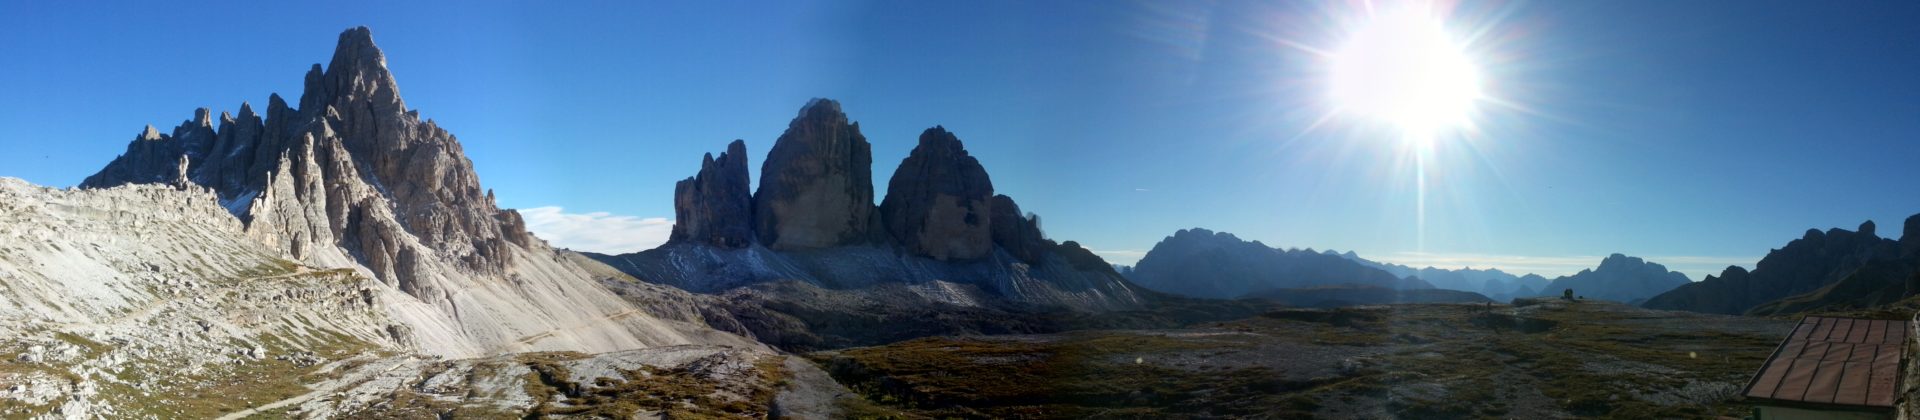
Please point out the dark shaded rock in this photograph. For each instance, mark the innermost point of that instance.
(816, 186)
(1807, 264)
(714, 206)
(1910, 237)
(938, 203)
(1019, 234)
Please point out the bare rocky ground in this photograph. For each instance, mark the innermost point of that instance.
(148, 302)
(1547, 359)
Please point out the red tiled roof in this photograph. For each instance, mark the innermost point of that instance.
(1842, 361)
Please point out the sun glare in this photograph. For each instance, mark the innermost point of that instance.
(1400, 66)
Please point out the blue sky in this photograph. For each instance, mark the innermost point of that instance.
(1697, 134)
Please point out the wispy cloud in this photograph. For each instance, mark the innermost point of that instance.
(1695, 267)
(597, 231)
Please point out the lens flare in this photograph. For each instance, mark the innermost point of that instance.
(1401, 66)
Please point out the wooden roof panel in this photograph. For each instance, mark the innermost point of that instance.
(1842, 361)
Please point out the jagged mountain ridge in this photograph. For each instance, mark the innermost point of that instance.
(1202, 263)
(1831, 270)
(352, 178)
(941, 228)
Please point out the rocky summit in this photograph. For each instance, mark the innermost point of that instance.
(816, 186)
(353, 179)
(715, 206)
(939, 202)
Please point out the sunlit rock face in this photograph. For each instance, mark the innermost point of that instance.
(939, 202)
(353, 179)
(816, 186)
(715, 207)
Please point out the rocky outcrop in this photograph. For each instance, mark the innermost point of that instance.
(1202, 263)
(939, 201)
(816, 186)
(353, 179)
(1620, 278)
(715, 206)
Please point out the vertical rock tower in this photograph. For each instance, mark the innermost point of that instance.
(816, 186)
(715, 207)
(939, 201)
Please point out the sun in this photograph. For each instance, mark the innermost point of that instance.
(1402, 67)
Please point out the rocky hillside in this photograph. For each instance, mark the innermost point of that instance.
(1811, 263)
(1202, 263)
(351, 178)
(1619, 278)
(941, 230)
(147, 301)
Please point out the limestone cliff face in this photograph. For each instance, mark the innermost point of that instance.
(939, 203)
(715, 207)
(352, 178)
(816, 186)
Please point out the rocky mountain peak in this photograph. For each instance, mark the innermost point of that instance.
(353, 179)
(1620, 262)
(203, 117)
(714, 206)
(939, 201)
(1866, 228)
(357, 72)
(149, 134)
(816, 186)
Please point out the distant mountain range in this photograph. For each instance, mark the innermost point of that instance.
(1202, 263)
(1821, 271)
(1490, 282)
(1349, 295)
